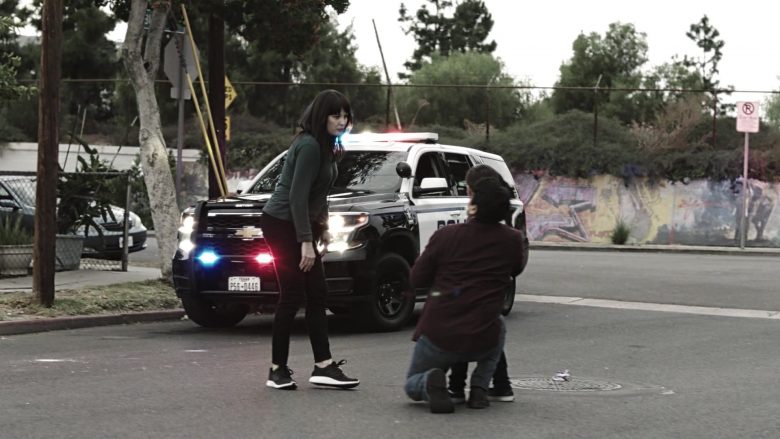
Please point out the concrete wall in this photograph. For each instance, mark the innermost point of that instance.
(701, 212)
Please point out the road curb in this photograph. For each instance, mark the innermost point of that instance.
(75, 322)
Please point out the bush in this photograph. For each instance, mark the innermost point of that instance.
(620, 233)
(12, 232)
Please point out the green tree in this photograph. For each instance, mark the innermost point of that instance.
(438, 34)
(772, 109)
(452, 106)
(9, 63)
(331, 59)
(707, 39)
(611, 61)
(87, 53)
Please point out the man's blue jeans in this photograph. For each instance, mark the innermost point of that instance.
(427, 356)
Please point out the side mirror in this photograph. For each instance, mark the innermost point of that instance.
(403, 170)
(431, 185)
(243, 186)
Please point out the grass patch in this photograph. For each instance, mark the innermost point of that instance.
(148, 295)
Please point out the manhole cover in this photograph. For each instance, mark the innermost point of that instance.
(573, 385)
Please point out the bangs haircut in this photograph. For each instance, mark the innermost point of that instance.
(314, 120)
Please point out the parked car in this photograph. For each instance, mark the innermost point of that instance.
(17, 196)
(392, 192)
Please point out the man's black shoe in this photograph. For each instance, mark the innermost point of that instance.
(281, 378)
(332, 376)
(438, 396)
(503, 394)
(478, 398)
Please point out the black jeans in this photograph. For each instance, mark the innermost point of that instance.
(296, 288)
(500, 376)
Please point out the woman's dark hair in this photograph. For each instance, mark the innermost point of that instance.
(314, 120)
(491, 196)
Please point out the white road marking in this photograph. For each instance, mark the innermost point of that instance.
(55, 360)
(644, 306)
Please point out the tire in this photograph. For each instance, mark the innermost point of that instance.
(509, 299)
(389, 309)
(213, 315)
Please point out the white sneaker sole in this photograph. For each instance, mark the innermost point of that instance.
(330, 382)
(501, 398)
(272, 384)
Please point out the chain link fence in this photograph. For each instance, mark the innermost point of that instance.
(95, 228)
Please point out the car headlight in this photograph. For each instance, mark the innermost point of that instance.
(342, 227)
(186, 227)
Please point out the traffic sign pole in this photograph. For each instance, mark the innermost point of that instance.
(747, 122)
(743, 219)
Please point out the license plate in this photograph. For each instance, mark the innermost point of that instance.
(243, 283)
(129, 241)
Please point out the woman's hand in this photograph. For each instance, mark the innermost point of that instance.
(326, 238)
(307, 256)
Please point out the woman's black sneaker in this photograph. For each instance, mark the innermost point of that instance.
(281, 378)
(503, 394)
(478, 398)
(457, 396)
(332, 376)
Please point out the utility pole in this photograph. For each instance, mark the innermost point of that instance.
(217, 90)
(48, 152)
(390, 96)
(596, 111)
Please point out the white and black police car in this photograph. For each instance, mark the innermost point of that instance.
(393, 191)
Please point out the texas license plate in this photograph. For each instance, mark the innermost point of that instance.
(243, 283)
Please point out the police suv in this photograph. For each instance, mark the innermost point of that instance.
(393, 191)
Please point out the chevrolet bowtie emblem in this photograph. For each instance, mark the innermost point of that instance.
(249, 232)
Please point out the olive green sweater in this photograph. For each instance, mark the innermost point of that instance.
(301, 195)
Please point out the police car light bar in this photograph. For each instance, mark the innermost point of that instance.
(390, 137)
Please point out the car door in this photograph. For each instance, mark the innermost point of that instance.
(438, 209)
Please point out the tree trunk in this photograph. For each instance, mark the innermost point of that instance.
(48, 150)
(142, 68)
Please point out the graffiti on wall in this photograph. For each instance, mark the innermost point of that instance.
(701, 212)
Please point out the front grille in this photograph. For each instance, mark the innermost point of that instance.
(221, 223)
(233, 246)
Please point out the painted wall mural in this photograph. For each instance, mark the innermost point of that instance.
(701, 212)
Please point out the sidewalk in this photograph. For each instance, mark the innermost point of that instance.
(75, 279)
(658, 248)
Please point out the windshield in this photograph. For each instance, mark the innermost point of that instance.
(359, 171)
(24, 188)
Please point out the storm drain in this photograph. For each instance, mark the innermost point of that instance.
(573, 385)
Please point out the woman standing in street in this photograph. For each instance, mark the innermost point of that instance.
(293, 221)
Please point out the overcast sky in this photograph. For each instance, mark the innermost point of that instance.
(535, 37)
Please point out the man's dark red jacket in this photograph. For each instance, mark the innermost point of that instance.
(469, 268)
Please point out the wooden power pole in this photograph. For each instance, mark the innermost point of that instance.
(48, 152)
(217, 90)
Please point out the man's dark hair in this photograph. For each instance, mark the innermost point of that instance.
(491, 196)
(478, 172)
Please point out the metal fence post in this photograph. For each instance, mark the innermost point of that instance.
(125, 222)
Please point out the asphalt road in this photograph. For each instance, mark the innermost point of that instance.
(671, 375)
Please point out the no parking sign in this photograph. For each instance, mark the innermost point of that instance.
(747, 117)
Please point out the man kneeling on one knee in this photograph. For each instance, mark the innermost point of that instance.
(466, 268)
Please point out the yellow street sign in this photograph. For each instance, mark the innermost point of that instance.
(230, 93)
(227, 128)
